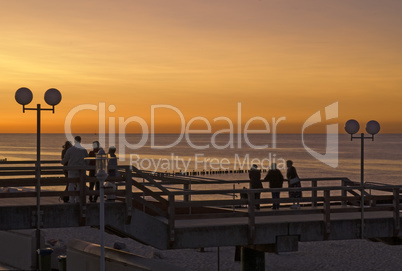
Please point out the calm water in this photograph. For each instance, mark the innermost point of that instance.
(383, 157)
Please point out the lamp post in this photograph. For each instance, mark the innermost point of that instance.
(101, 175)
(24, 96)
(102, 160)
(352, 127)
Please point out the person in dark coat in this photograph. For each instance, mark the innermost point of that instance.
(66, 146)
(295, 194)
(112, 172)
(92, 172)
(275, 180)
(75, 157)
(255, 182)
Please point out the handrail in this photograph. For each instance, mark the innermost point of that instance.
(284, 189)
(149, 192)
(203, 180)
(150, 179)
(29, 162)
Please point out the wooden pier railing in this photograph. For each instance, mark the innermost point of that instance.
(175, 197)
(20, 176)
(179, 204)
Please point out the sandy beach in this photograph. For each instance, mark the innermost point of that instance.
(328, 255)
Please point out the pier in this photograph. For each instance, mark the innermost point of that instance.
(171, 211)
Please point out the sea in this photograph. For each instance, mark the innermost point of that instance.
(313, 155)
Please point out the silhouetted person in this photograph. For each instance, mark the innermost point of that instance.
(255, 182)
(112, 162)
(275, 180)
(92, 172)
(74, 157)
(297, 194)
(66, 146)
(112, 173)
(243, 196)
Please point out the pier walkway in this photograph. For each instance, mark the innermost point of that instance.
(174, 211)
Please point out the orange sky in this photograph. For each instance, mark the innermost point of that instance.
(277, 58)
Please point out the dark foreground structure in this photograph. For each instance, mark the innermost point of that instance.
(174, 211)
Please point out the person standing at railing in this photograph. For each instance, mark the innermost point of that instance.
(275, 180)
(66, 146)
(294, 182)
(112, 169)
(92, 172)
(74, 157)
(255, 182)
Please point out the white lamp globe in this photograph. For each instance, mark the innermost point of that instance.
(372, 127)
(52, 97)
(23, 96)
(352, 126)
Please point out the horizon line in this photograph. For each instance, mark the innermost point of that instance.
(86, 133)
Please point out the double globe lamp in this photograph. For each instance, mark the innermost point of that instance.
(372, 128)
(24, 96)
(352, 127)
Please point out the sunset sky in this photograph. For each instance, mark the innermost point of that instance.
(278, 58)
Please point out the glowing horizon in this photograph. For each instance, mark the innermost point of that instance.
(277, 58)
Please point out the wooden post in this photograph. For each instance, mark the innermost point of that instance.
(83, 201)
(327, 214)
(344, 193)
(251, 217)
(186, 187)
(189, 196)
(129, 195)
(314, 192)
(171, 213)
(396, 208)
(234, 198)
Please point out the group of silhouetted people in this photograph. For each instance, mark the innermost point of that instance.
(74, 156)
(275, 179)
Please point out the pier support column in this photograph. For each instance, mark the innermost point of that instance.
(252, 259)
